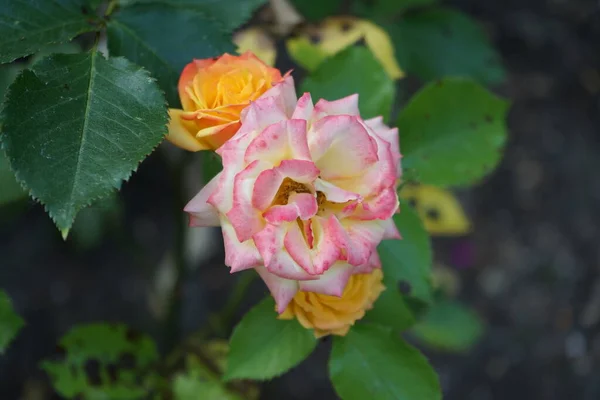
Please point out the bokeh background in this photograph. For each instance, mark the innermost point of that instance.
(529, 268)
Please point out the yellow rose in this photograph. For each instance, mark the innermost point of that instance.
(213, 93)
(330, 315)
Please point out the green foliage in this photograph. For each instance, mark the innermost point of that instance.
(372, 363)
(197, 378)
(315, 10)
(435, 43)
(28, 26)
(96, 120)
(449, 325)
(262, 346)
(353, 70)
(103, 361)
(211, 165)
(10, 322)
(138, 32)
(229, 13)
(384, 9)
(391, 308)
(407, 262)
(304, 53)
(452, 133)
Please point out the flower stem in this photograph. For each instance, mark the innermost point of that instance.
(172, 328)
(220, 322)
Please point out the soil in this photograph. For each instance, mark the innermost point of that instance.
(535, 278)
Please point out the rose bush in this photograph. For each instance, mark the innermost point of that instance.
(213, 93)
(306, 193)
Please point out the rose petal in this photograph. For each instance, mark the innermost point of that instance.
(300, 205)
(282, 290)
(280, 141)
(344, 106)
(270, 244)
(238, 255)
(341, 147)
(201, 212)
(333, 282)
(180, 134)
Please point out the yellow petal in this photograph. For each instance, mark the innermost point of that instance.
(180, 135)
(258, 42)
(439, 210)
(337, 33)
(381, 45)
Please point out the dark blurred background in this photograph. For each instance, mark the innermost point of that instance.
(534, 276)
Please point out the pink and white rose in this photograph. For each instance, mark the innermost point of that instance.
(306, 194)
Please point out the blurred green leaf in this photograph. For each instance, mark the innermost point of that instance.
(262, 346)
(391, 309)
(103, 361)
(407, 262)
(453, 132)
(8, 73)
(372, 363)
(384, 9)
(315, 10)
(211, 165)
(10, 322)
(138, 33)
(27, 26)
(353, 70)
(449, 325)
(435, 43)
(97, 119)
(229, 13)
(304, 53)
(197, 379)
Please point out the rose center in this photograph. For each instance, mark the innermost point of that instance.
(288, 186)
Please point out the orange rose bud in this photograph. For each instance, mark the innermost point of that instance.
(213, 93)
(330, 315)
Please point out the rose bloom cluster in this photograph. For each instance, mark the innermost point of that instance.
(307, 190)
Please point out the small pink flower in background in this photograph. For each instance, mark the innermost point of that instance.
(306, 194)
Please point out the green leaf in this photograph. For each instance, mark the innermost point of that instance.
(407, 262)
(103, 361)
(10, 322)
(304, 53)
(438, 42)
(353, 70)
(262, 346)
(76, 126)
(386, 8)
(230, 13)
(452, 132)
(138, 33)
(449, 325)
(211, 165)
(198, 378)
(27, 26)
(372, 363)
(391, 308)
(315, 10)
